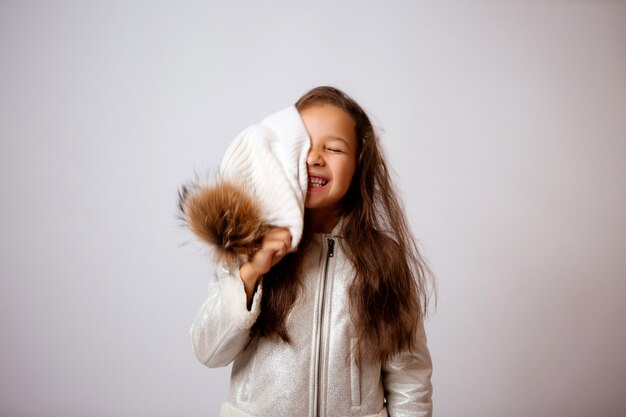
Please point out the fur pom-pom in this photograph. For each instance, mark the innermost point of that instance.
(224, 216)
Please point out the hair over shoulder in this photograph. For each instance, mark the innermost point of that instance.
(390, 292)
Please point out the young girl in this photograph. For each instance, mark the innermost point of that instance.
(333, 327)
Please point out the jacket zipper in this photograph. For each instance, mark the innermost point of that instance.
(322, 340)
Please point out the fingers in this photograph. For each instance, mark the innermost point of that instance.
(275, 248)
(278, 241)
(279, 233)
(276, 244)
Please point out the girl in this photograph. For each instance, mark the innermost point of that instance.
(333, 327)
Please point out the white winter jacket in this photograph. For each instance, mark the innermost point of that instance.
(316, 374)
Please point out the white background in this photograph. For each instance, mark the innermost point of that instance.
(505, 122)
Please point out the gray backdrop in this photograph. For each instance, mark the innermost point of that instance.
(505, 123)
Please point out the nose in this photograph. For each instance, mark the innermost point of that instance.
(314, 158)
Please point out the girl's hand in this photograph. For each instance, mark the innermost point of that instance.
(276, 244)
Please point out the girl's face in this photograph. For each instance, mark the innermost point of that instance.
(332, 159)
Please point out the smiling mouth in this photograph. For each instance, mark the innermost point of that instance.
(317, 182)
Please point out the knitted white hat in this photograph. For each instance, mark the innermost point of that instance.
(269, 161)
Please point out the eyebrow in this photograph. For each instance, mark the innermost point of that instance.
(338, 138)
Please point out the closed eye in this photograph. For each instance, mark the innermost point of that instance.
(333, 150)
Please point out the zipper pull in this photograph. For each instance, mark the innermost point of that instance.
(331, 248)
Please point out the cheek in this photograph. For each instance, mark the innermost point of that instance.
(347, 173)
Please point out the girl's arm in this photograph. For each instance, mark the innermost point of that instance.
(222, 326)
(406, 379)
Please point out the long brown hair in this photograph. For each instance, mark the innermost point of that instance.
(389, 294)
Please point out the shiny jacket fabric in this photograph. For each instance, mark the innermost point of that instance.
(317, 374)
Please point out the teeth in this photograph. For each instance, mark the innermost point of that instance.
(317, 182)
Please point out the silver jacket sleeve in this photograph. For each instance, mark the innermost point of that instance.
(221, 329)
(406, 378)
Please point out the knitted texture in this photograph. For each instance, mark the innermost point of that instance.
(262, 183)
(269, 160)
